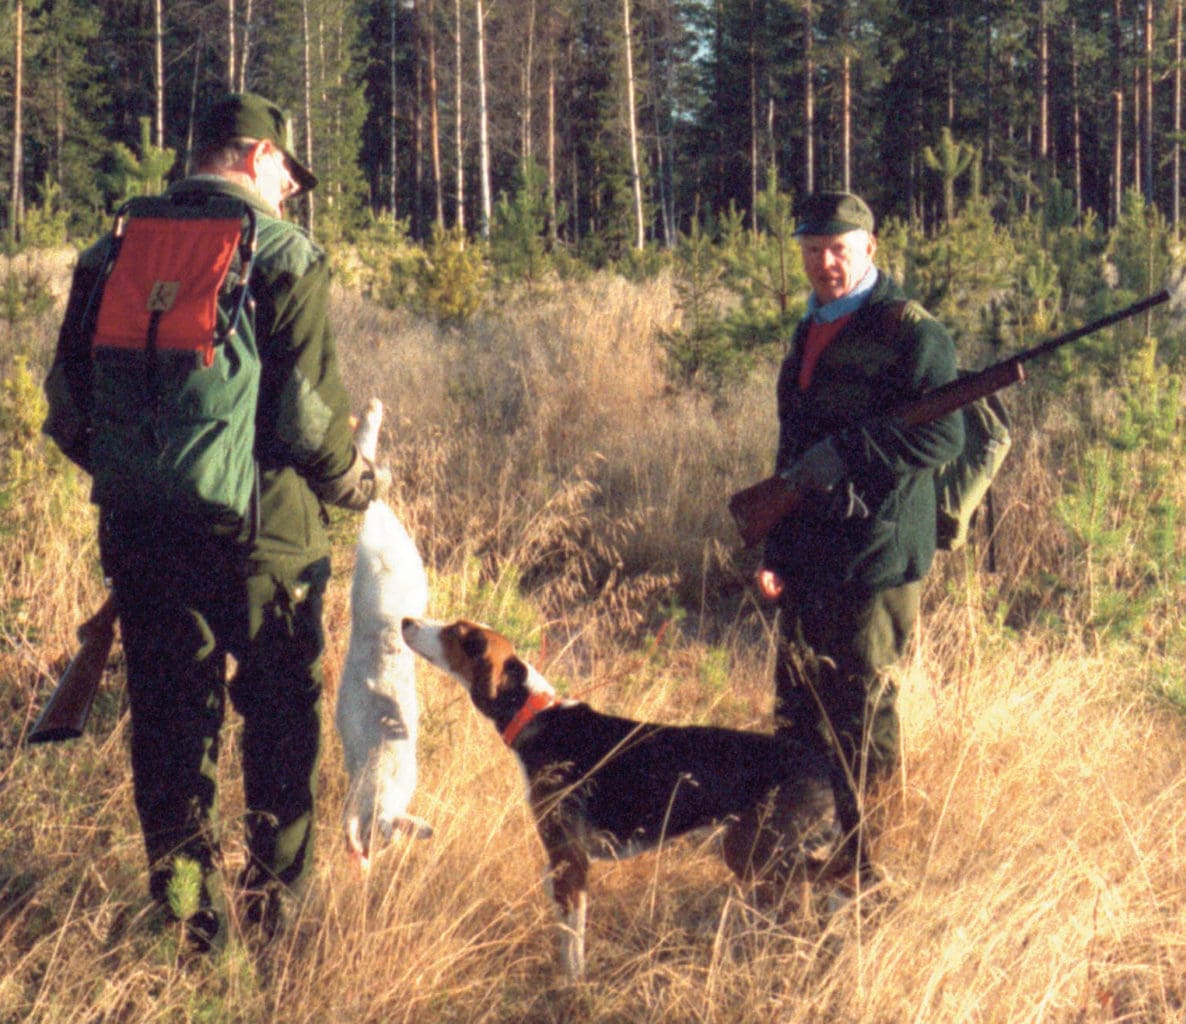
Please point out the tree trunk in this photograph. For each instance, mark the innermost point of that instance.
(771, 111)
(16, 211)
(483, 126)
(949, 78)
(808, 102)
(393, 117)
(754, 156)
(1177, 174)
(193, 102)
(1138, 98)
(632, 122)
(1042, 148)
(458, 133)
(158, 69)
(553, 227)
(434, 116)
(1117, 112)
(846, 119)
(418, 128)
(307, 58)
(527, 85)
(1147, 132)
(1076, 124)
(244, 48)
(988, 51)
(230, 42)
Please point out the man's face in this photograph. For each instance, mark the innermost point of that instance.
(835, 264)
(273, 179)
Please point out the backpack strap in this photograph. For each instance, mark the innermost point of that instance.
(893, 315)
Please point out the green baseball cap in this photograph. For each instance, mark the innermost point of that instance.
(832, 213)
(245, 115)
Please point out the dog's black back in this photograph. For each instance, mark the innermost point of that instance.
(637, 782)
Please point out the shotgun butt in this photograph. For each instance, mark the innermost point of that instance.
(65, 714)
(758, 507)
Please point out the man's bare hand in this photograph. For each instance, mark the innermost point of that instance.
(769, 584)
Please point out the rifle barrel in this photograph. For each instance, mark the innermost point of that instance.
(1096, 325)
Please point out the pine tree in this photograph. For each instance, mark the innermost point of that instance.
(949, 159)
(142, 175)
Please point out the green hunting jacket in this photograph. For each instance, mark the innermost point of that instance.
(304, 443)
(884, 355)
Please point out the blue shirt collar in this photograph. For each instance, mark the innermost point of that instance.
(844, 305)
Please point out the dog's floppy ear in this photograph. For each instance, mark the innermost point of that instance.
(473, 644)
(476, 648)
(514, 674)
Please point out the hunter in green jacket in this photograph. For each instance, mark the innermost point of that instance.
(189, 595)
(846, 565)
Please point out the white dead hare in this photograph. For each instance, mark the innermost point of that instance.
(377, 711)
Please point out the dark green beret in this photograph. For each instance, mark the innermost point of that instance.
(832, 213)
(244, 115)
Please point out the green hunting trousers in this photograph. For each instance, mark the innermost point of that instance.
(831, 691)
(184, 606)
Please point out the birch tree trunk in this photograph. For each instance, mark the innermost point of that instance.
(1147, 122)
(1076, 123)
(434, 117)
(1177, 174)
(808, 101)
(1138, 98)
(1117, 113)
(846, 118)
(632, 119)
(244, 48)
(527, 85)
(230, 42)
(158, 75)
(418, 128)
(393, 117)
(307, 57)
(753, 123)
(949, 77)
(483, 126)
(552, 210)
(16, 210)
(458, 134)
(193, 102)
(986, 129)
(1042, 148)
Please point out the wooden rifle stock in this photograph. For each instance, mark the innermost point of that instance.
(757, 508)
(65, 715)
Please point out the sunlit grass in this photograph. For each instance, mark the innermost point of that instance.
(1033, 846)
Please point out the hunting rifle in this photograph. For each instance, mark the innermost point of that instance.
(65, 715)
(757, 508)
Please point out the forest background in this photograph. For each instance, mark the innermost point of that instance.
(572, 289)
(634, 119)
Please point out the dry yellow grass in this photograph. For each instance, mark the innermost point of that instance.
(1033, 850)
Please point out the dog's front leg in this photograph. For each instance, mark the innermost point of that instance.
(567, 884)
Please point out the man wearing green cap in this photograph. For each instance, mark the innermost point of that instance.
(846, 566)
(189, 595)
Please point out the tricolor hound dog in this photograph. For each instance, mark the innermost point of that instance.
(606, 787)
(377, 713)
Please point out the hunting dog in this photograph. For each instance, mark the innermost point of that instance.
(377, 713)
(603, 787)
